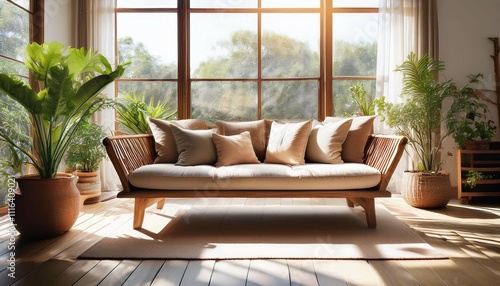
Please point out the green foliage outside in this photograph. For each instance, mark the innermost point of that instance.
(351, 59)
(146, 66)
(237, 100)
(12, 161)
(14, 36)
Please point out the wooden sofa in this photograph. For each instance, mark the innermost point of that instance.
(130, 152)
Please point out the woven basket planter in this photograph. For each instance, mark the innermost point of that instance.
(45, 207)
(423, 190)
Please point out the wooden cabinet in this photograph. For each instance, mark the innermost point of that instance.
(487, 162)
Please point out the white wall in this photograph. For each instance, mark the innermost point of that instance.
(464, 28)
(60, 21)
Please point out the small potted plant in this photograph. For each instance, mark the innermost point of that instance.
(84, 156)
(473, 177)
(466, 119)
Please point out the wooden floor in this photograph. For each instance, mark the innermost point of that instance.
(468, 233)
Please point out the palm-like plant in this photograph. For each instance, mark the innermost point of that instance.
(365, 104)
(133, 111)
(69, 82)
(420, 116)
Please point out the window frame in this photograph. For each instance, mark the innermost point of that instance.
(36, 14)
(36, 34)
(325, 80)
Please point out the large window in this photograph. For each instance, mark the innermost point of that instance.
(21, 22)
(250, 59)
(354, 50)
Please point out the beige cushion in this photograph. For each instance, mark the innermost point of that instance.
(195, 147)
(288, 142)
(265, 177)
(165, 145)
(234, 149)
(257, 131)
(353, 149)
(325, 142)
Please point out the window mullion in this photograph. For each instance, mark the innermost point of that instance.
(37, 26)
(328, 60)
(183, 86)
(259, 64)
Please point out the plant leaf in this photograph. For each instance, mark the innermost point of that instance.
(81, 62)
(41, 58)
(59, 91)
(21, 92)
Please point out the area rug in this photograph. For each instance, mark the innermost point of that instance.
(267, 232)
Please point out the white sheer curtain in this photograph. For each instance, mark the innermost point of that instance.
(96, 30)
(404, 26)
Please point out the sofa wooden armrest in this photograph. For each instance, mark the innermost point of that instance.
(383, 152)
(129, 152)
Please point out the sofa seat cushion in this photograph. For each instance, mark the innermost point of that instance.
(310, 176)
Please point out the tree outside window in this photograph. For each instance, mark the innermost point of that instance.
(247, 60)
(16, 30)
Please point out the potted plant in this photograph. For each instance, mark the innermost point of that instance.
(419, 118)
(365, 104)
(68, 81)
(466, 119)
(472, 177)
(84, 156)
(133, 111)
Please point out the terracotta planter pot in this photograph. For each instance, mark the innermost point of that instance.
(45, 207)
(424, 190)
(89, 185)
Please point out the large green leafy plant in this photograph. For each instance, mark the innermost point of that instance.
(68, 83)
(420, 115)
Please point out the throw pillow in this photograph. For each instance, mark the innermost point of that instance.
(325, 142)
(165, 145)
(195, 147)
(257, 131)
(353, 149)
(287, 143)
(234, 149)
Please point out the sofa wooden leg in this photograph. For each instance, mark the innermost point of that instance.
(368, 204)
(349, 203)
(140, 208)
(160, 204)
